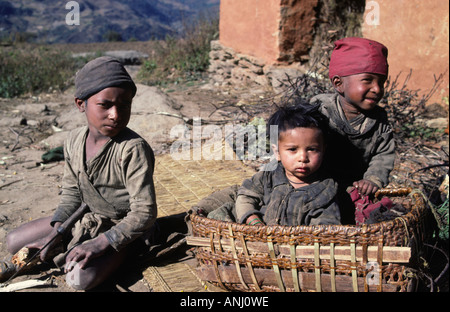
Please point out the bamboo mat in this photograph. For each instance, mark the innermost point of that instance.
(180, 184)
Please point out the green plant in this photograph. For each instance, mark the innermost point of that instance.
(404, 106)
(112, 36)
(31, 69)
(414, 131)
(177, 59)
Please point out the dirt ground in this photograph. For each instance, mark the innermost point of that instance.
(30, 189)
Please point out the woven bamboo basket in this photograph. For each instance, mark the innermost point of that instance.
(375, 257)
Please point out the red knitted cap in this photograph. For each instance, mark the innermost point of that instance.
(355, 55)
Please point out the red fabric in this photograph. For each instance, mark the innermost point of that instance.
(364, 206)
(355, 55)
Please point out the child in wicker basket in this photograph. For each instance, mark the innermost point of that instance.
(295, 191)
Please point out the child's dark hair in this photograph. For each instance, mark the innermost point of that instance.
(300, 113)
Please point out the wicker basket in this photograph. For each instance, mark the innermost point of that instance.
(376, 257)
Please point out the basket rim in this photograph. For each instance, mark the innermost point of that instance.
(346, 229)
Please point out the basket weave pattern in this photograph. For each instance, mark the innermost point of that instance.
(309, 258)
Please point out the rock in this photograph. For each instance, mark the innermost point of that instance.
(437, 123)
(54, 140)
(10, 121)
(229, 67)
(154, 114)
(435, 110)
(126, 57)
(278, 75)
(71, 118)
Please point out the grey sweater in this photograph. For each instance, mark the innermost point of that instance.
(117, 183)
(270, 195)
(361, 149)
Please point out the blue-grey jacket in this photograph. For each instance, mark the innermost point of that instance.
(270, 195)
(355, 154)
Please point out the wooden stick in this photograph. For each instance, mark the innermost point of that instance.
(25, 285)
(307, 279)
(390, 254)
(9, 183)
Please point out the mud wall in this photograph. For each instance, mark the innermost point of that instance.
(273, 30)
(286, 33)
(251, 27)
(416, 33)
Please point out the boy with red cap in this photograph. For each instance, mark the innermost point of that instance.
(361, 152)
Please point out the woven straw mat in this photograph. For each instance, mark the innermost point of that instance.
(180, 184)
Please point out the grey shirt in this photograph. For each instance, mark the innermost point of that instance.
(363, 148)
(270, 195)
(117, 183)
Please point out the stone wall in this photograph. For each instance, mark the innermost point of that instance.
(262, 40)
(228, 67)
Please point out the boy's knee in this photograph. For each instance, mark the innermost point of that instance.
(95, 273)
(11, 246)
(79, 279)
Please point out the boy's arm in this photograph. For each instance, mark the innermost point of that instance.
(138, 165)
(245, 209)
(382, 162)
(250, 198)
(70, 198)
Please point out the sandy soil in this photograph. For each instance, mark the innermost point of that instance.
(30, 189)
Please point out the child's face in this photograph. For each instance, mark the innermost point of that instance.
(301, 152)
(108, 111)
(360, 91)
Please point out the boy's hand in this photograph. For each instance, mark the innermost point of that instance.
(365, 187)
(83, 253)
(40, 243)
